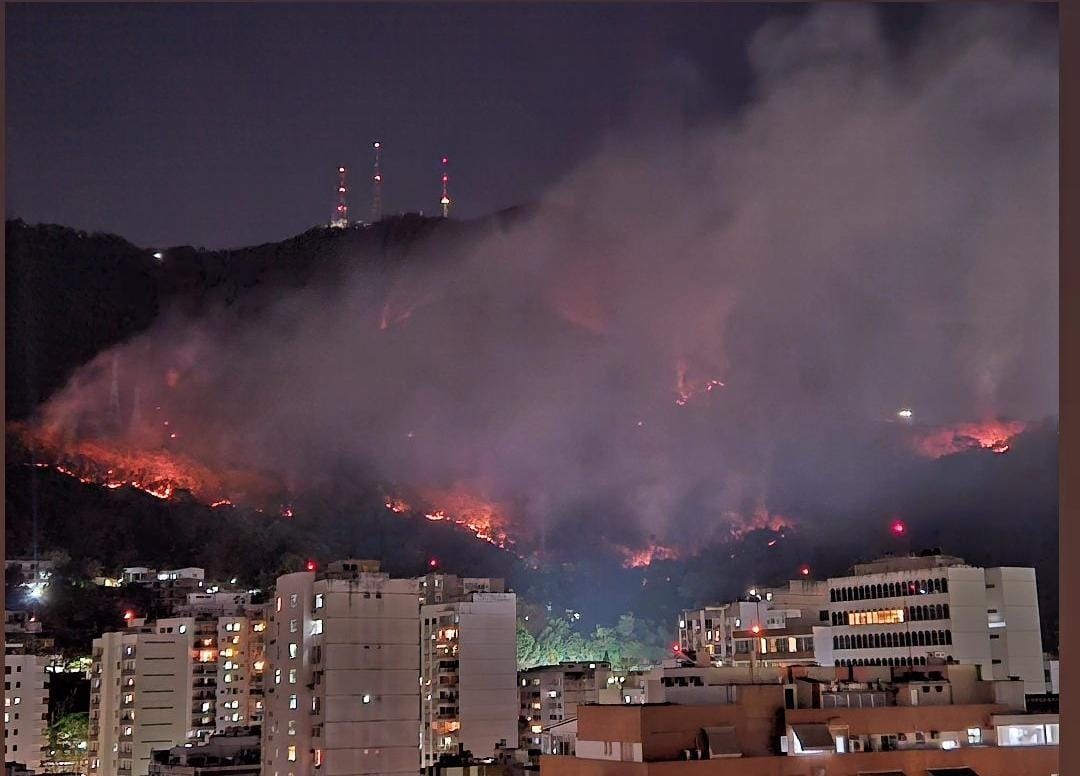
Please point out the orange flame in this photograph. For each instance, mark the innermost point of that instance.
(486, 520)
(637, 559)
(993, 435)
(686, 389)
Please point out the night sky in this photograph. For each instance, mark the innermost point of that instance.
(222, 126)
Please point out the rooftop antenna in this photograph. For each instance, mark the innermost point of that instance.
(376, 185)
(445, 201)
(341, 215)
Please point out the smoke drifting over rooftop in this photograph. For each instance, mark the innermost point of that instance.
(705, 325)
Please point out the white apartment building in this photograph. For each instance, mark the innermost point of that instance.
(550, 695)
(343, 694)
(468, 663)
(908, 610)
(26, 709)
(217, 685)
(140, 698)
(770, 626)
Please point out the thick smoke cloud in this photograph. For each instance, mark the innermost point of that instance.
(876, 229)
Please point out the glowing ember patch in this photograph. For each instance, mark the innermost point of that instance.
(686, 389)
(221, 503)
(638, 559)
(995, 436)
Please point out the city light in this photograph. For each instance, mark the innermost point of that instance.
(898, 527)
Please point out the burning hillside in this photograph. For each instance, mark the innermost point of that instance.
(486, 520)
(993, 435)
(161, 473)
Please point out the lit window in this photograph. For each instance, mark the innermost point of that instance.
(318, 600)
(183, 629)
(366, 698)
(279, 603)
(292, 676)
(316, 627)
(294, 650)
(292, 754)
(292, 727)
(974, 735)
(293, 626)
(293, 600)
(292, 702)
(277, 676)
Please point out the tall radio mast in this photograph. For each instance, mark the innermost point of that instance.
(445, 201)
(376, 183)
(341, 215)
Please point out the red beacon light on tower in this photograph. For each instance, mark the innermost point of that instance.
(311, 565)
(129, 616)
(433, 563)
(898, 528)
(805, 571)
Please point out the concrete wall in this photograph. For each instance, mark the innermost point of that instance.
(1013, 595)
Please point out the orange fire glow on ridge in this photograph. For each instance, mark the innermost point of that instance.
(486, 520)
(161, 473)
(993, 435)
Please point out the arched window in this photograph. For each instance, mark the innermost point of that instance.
(945, 585)
(878, 590)
(832, 596)
(920, 639)
(941, 611)
(948, 637)
(907, 638)
(836, 642)
(945, 611)
(933, 638)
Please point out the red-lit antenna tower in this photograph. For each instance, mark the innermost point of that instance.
(376, 184)
(341, 214)
(445, 201)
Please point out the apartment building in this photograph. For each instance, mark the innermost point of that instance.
(769, 626)
(26, 709)
(140, 697)
(468, 664)
(549, 697)
(344, 691)
(914, 609)
(213, 684)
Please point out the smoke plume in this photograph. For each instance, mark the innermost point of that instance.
(705, 325)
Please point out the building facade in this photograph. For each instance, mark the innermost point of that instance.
(343, 694)
(549, 697)
(917, 609)
(140, 698)
(769, 626)
(468, 663)
(26, 709)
